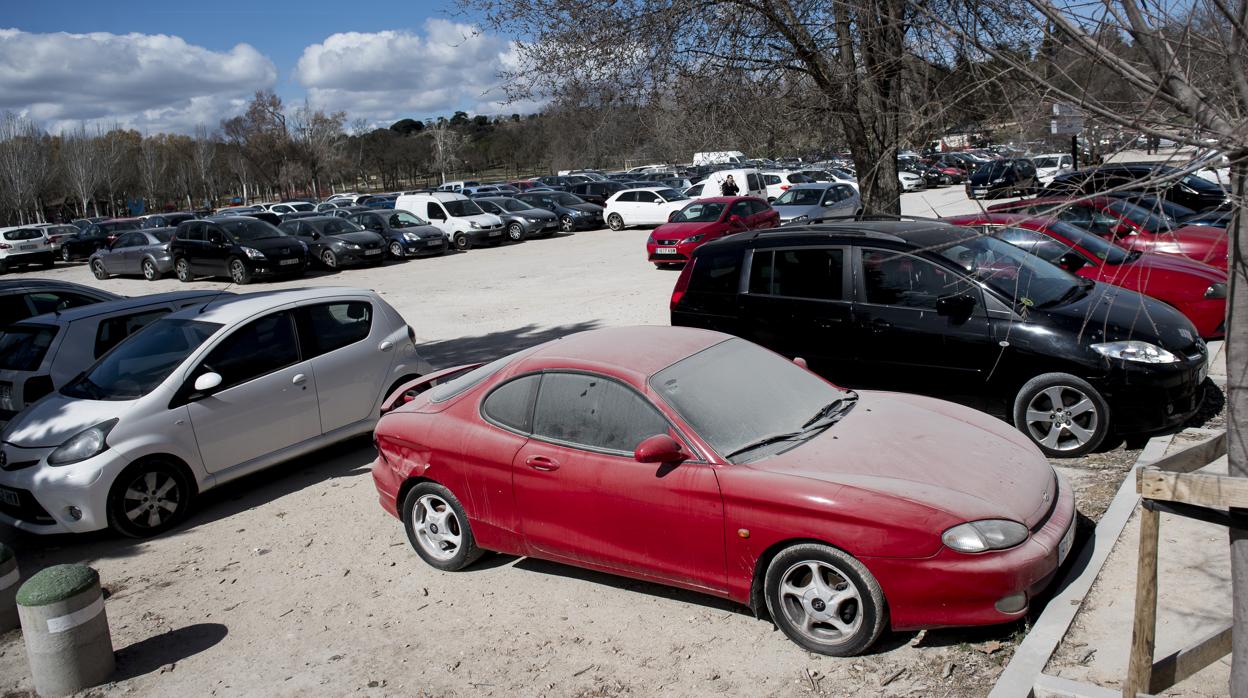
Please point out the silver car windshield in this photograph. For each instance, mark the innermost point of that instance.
(142, 361)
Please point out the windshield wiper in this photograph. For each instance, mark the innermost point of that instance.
(774, 438)
(837, 405)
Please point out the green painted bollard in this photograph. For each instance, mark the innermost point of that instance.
(9, 577)
(66, 630)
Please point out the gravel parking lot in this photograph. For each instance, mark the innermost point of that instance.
(294, 581)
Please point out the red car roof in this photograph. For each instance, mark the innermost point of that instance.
(641, 351)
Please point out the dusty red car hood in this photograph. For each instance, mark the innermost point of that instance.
(959, 460)
(1149, 262)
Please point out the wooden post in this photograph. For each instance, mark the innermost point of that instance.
(1144, 634)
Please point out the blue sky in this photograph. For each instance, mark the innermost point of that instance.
(156, 65)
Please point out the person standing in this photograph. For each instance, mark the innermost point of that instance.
(729, 187)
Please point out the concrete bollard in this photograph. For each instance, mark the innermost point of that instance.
(9, 576)
(66, 630)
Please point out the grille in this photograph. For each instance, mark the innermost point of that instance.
(667, 242)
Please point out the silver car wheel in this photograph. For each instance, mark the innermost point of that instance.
(437, 527)
(1062, 418)
(821, 603)
(149, 270)
(151, 499)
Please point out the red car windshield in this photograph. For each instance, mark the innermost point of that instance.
(1150, 222)
(737, 394)
(699, 213)
(1097, 245)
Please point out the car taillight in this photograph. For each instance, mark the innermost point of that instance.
(4, 246)
(784, 187)
(682, 283)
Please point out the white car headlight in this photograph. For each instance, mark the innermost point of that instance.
(350, 246)
(253, 253)
(411, 237)
(998, 180)
(801, 218)
(1135, 350)
(83, 445)
(473, 224)
(982, 536)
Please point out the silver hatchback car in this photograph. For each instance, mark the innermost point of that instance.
(819, 200)
(144, 252)
(200, 397)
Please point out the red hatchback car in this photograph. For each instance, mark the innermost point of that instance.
(1197, 290)
(703, 461)
(1129, 225)
(705, 220)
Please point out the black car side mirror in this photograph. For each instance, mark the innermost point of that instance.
(955, 307)
(1071, 263)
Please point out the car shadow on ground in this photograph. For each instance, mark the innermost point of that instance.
(346, 459)
(490, 346)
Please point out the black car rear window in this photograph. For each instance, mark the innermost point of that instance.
(22, 347)
(716, 272)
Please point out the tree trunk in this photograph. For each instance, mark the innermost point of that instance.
(1236, 349)
(875, 160)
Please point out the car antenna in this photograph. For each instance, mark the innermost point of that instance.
(212, 300)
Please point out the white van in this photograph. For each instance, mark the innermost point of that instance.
(458, 217)
(749, 183)
(459, 185)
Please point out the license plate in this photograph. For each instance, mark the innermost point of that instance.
(495, 233)
(368, 252)
(433, 243)
(10, 498)
(1063, 548)
(288, 262)
(980, 191)
(665, 250)
(29, 246)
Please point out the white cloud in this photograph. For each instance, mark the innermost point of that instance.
(152, 82)
(389, 75)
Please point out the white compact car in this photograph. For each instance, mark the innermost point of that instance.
(1051, 165)
(458, 217)
(779, 181)
(200, 397)
(24, 245)
(43, 353)
(910, 181)
(648, 206)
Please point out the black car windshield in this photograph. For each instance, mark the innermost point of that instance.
(997, 168)
(567, 199)
(1142, 217)
(1016, 275)
(515, 205)
(303, 207)
(1049, 161)
(800, 197)
(142, 361)
(699, 213)
(1097, 245)
(250, 230)
(335, 226)
(1202, 185)
(461, 207)
(22, 347)
(737, 393)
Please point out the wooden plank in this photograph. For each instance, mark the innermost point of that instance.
(1143, 634)
(1193, 457)
(1048, 686)
(1218, 491)
(1172, 669)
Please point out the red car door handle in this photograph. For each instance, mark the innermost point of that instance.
(542, 463)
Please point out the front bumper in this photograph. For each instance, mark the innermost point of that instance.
(541, 227)
(592, 222)
(680, 253)
(957, 589)
(276, 267)
(1145, 398)
(483, 236)
(46, 493)
(425, 247)
(353, 258)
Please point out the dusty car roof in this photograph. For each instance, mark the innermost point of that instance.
(642, 350)
(103, 307)
(231, 308)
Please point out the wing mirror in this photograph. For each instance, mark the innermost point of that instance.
(1071, 263)
(207, 382)
(956, 307)
(659, 448)
(800, 362)
(736, 220)
(316, 235)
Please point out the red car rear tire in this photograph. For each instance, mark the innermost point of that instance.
(438, 528)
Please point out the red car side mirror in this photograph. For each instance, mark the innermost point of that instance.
(659, 448)
(800, 362)
(736, 220)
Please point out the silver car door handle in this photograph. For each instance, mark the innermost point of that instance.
(299, 379)
(386, 345)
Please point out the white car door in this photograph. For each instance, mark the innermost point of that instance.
(351, 357)
(649, 209)
(267, 399)
(438, 218)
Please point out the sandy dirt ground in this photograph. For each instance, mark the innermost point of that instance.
(295, 582)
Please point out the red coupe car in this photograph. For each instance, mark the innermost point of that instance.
(699, 460)
(1197, 290)
(705, 220)
(1131, 226)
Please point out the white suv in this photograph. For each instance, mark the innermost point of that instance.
(458, 217)
(200, 397)
(23, 245)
